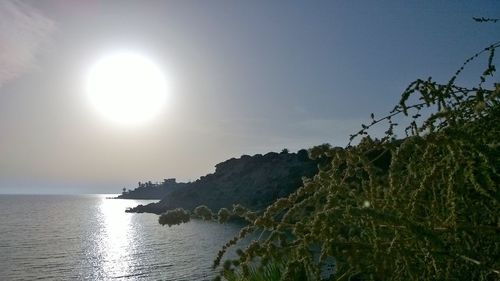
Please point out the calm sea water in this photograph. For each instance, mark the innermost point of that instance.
(90, 237)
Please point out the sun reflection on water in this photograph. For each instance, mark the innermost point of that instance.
(116, 241)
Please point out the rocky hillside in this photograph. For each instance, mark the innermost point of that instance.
(253, 181)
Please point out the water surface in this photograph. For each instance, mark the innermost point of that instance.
(89, 237)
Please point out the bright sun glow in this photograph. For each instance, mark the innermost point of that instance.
(127, 88)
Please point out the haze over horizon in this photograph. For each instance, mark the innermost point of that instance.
(244, 78)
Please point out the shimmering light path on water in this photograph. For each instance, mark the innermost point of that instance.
(91, 237)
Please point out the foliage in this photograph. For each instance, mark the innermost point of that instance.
(255, 181)
(223, 215)
(426, 207)
(150, 190)
(173, 217)
(483, 19)
(203, 212)
(268, 272)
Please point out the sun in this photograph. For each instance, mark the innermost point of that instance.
(126, 87)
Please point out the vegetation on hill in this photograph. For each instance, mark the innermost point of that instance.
(149, 190)
(425, 207)
(253, 181)
(433, 216)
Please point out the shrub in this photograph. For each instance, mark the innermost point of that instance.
(173, 217)
(425, 207)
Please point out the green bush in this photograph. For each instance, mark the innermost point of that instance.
(424, 207)
(173, 217)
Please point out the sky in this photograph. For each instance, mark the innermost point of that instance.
(245, 77)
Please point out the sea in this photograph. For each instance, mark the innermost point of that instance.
(90, 237)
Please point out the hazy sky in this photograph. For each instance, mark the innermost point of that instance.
(246, 77)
